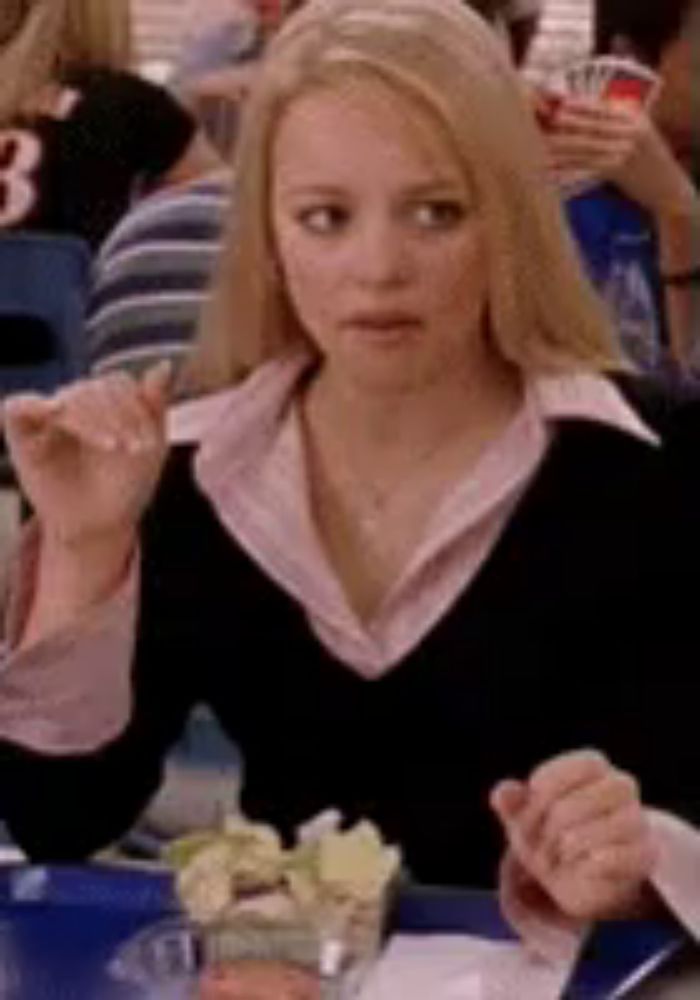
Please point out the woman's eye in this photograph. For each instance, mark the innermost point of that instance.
(438, 214)
(323, 219)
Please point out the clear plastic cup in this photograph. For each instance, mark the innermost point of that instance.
(161, 961)
(173, 961)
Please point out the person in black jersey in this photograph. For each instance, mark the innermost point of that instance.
(80, 135)
(433, 561)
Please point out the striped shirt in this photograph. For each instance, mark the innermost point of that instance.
(152, 275)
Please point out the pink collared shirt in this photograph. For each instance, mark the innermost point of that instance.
(249, 462)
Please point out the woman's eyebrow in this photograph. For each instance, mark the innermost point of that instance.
(438, 185)
(312, 187)
(417, 189)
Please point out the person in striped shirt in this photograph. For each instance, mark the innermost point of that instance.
(151, 277)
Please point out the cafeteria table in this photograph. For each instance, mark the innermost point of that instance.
(61, 927)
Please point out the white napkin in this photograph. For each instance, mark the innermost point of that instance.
(458, 967)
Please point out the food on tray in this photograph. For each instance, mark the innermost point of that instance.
(217, 870)
(266, 911)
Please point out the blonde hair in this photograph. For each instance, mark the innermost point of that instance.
(41, 39)
(439, 56)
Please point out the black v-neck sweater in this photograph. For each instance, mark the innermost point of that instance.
(577, 632)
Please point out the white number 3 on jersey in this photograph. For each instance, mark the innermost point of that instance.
(20, 155)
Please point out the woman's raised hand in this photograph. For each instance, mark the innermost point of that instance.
(89, 457)
(579, 833)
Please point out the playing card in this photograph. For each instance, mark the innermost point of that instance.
(590, 72)
(600, 73)
(571, 80)
(577, 79)
(607, 78)
(601, 78)
(626, 80)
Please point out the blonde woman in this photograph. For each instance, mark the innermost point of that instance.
(414, 546)
(80, 135)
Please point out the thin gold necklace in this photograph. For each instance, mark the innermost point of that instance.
(369, 504)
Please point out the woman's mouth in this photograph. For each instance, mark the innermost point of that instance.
(383, 326)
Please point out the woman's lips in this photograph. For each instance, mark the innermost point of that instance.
(394, 332)
(382, 320)
(383, 327)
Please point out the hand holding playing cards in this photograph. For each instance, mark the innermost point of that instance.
(578, 836)
(616, 141)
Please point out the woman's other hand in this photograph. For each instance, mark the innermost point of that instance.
(88, 458)
(578, 830)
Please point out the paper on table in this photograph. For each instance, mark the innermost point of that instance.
(458, 967)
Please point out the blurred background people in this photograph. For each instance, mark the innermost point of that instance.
(219, 60)
(521, 19)
(80, 134)
(639, 228)
(664, 35)
(151, 277)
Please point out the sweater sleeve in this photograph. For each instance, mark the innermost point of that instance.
(69, 693)
(82, 738)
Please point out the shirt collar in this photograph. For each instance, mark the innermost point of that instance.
(588, 397)
(234, 423)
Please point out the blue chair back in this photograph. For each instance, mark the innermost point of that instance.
(44, 278)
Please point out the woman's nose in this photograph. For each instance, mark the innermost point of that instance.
(380, 255)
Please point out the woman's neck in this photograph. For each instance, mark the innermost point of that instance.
(380, 464)
(379, 428)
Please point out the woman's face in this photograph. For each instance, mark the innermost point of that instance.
(377, 236)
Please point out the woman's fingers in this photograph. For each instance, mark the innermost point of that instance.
(137, 429)
(28, 421)
(627, 827)
(525, 808)
(29, 412)
(507, 799)
(590, 151)
(594, 136)
(601, 122)
(155, 387)
(555, 779)
(610, 880)
(600, 798)
(588, 146)
(622, 862)
(578, 827)
(90, 415)
(107, 413)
